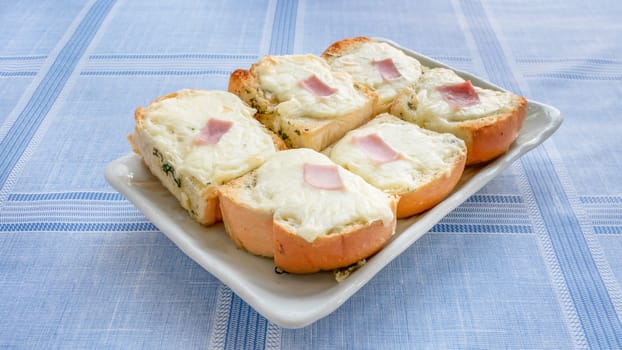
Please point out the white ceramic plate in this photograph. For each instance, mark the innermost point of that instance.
(294, 301)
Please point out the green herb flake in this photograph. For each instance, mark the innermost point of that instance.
(283, 135)
(169, 169)
(157, 153)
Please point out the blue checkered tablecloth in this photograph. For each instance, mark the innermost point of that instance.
(532, 261)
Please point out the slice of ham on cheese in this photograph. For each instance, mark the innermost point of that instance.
(376, 149)
(387, 69)
(213, 131)
(317, 87)
(323, 177)
(459, 95)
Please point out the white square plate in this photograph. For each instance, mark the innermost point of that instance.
(294, 301)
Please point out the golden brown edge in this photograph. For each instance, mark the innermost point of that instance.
(294, 254)
(337, 48)
(490, 140)
(250, 229)
(238, 79)
(432, 193)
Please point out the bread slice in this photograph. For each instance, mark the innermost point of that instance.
(378, 66)
(302, 100)
(487, 120)
(307, 213)
(420, 166)
(195, 140)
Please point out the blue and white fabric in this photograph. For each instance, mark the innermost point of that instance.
(531, 261)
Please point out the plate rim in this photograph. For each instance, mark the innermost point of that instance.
(398, 244)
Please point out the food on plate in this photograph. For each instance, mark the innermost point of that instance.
(196, 140)
(307, 213)
(224, 156)
(380, 67)
(487, 120)
(302, 100)
(420, 166)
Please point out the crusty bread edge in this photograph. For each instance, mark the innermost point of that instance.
(250, 229)
(294, 254)
(490, 140)
(433, 192)
(239, 80)
(338, 48)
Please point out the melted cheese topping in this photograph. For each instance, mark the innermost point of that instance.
(282, 76)
(360, 64)
(307, 211)
(173, 124)
(424, 155)
(432, 107)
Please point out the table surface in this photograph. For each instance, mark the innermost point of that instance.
(530, 261)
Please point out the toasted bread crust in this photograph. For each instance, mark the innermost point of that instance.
(249, 228)
(238, 79)
(430, 194)
(339, 48)
(490, 140)
(294, 254)
(200, 200)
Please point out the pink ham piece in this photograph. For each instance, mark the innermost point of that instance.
(317, 87)
(323, 177)
(213, 131)
(376, 149)
(387, 69)
(459, 95)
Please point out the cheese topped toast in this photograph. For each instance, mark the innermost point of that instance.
(302, 100)
(196, 140)
(307, 212)
(487, 120)
(420, 166)
(379, 66)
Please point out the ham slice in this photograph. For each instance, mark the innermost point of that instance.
(317, 87)
(323, 177)
(387, 69)
(459, 95)
(213, 131)
(376, 149)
